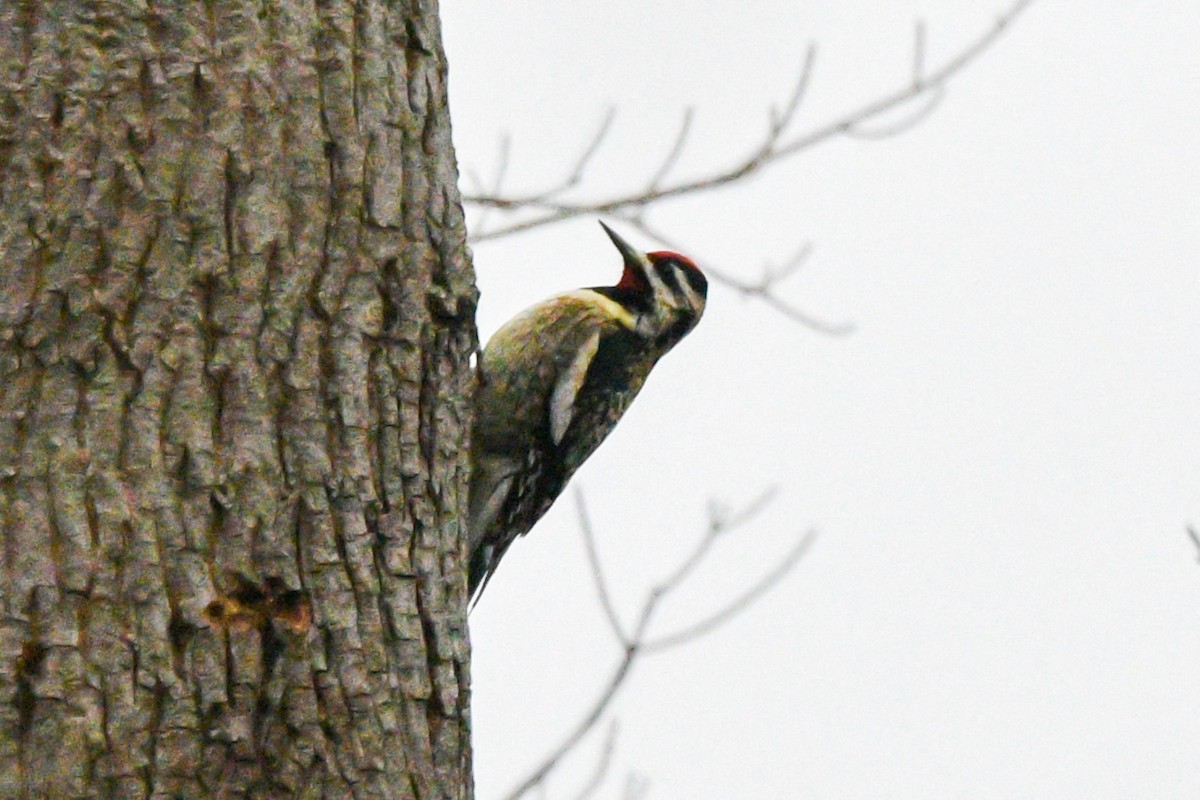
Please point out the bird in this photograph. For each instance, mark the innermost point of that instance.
(554, 381)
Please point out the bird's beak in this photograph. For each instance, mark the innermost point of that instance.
(633, 258)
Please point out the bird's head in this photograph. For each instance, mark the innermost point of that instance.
(666, 290)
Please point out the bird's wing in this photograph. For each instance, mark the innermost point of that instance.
(566, 388)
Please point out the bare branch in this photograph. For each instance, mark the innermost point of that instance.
(502, 158)
(919, 53)
(789, 267)
(475, 180)
(719, 523)
(589, 539)
(602, 765)
(932, 99)
(936, 79)
(721, 520)
(576, 175)
(637, 642)
(794, 314)
(775, 146)
(1195, 540)
(780, 122)
(738, 604)
(599, 706)
(673, 154)
(572, 179)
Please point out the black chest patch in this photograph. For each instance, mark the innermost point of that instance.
(613, 379)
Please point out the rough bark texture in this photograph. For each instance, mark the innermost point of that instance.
(236, 314)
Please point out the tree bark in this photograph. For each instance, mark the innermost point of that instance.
(236, 318)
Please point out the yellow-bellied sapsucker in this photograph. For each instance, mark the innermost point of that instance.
(555, 379)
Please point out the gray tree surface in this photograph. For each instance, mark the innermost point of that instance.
(236, 321)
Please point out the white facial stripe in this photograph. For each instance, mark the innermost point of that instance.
(680, 293)
(657, 285)
(694, 299)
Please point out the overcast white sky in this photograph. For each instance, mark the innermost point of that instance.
(1001, 460)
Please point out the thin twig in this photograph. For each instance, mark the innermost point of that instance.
(774, 148)
(796, 315)
(789, 268)
(780, 122)
(602, 765)
(731, 521)
(576, 175)
(718, 525)
(1195, 540)
(502, 159)
(585, 725)
(589, 539)
(636, 643)
(919, 53)
(573, 178)
(738, 604)
(933, 99)
(675, 151)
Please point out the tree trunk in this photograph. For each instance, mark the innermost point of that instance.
(236, 316)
